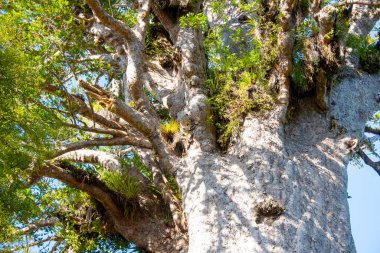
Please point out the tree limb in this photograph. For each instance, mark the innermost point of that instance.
(368, 161)
(372, 130)
(55, 246)
(50, 238)
(37, 225)
(143, 18)
(106, 58)
(122, 140)
(370, 3)
(83, 109)
(117, 106)
(104, 18)
(95, 130)
(81, 180)
(108, 161)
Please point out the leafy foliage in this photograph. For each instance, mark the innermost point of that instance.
(367, 52)
(238, 70)
(120, 182)
(194, 21)
(40, 44)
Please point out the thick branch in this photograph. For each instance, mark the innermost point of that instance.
(134, 118)
(104, 18)
(106, 58)
(123, 140)
(143, 18)
(106, 160)
(80, 180)
(144, 231)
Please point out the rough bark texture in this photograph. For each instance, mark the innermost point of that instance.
(301, 165)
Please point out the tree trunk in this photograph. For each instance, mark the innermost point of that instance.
(233, 201)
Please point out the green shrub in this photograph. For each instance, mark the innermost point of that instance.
(364, 48)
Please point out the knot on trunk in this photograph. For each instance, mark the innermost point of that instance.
(269, 208)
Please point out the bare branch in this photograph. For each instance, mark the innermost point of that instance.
(104, 18)
(122, 140)
(143, 17)
(372, 130)
(96, 130)
(83, 109)
(370, 3)
(37, 225)
(55, 246)
(117, 106)
(50, 238)
(108, 161)
(368, 161)
(106, 58)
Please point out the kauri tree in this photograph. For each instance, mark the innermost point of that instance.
(184, 125)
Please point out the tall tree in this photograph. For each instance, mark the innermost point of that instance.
(184, 126)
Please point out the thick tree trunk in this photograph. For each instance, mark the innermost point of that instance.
(299, 166)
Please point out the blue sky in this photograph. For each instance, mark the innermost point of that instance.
(364, 188)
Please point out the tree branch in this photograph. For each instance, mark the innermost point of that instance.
(37, 225)
(83, 109)
(50, 238)
(368, 161)
(55, 246)
(143, 18)
(371, 130)
(117, 106)
(122, 140)
(108, 161)
(370, 3)
(81, 180)
(112, 23)
(106, 58)
(95, 130)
